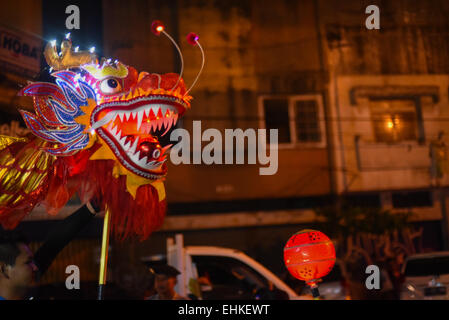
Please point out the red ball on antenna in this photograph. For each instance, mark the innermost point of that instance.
(157, 27)
(192, 38)
(309, 255)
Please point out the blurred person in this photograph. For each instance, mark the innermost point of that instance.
(165, 279)
(134, 279)
(20, 269)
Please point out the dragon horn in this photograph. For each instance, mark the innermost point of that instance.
(68, 58)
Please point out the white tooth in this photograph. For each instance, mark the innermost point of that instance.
(172, 121)
(166, 130)
(159, 123)
(121, 116)
(136, 156)
(119, 135)
(134, 146)
(147, 112)
(114, 131)
(153, 125)
(127, 115)
(148, 128)
(176, 119)
(122, 141)
(143, 161)
(126, 147)
(139, 119)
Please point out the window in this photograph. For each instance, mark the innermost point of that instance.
(298, 119)
(412, 199)
(427, 266)
(363, 200)
(394, 120)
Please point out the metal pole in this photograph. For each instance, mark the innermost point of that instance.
(104, 254)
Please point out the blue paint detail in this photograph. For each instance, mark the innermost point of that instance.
(76, 93)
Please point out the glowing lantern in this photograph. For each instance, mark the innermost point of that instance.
(309, 255)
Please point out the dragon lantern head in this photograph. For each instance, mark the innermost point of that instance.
(108, 107)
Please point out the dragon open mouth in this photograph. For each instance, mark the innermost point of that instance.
(132, 130)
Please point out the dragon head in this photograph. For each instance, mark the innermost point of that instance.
(109, 108)
(132, 111)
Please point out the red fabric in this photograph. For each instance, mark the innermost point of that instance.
(140, 216)
(91, 178)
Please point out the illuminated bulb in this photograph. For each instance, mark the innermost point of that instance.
(53, 42)
(192, 38)
(92, 50)
(390, 125)
(67, 35)
(76, 49)
(157, 27)
(50, 70)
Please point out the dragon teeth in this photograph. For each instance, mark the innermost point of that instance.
(139, 118)
(159, 123)
(143, 161)
(135, 156)
(134, 146)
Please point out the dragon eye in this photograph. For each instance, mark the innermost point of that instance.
(110, 86)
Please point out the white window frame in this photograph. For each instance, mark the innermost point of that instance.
(292, 116)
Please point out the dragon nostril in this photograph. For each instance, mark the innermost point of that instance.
(156, 153)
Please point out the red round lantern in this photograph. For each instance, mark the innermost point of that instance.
(309, 255)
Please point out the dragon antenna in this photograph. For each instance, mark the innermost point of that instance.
(193, 38)
(157, 28)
